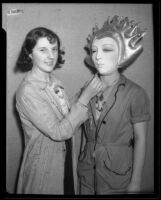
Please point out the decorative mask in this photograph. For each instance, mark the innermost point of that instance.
(126, 33)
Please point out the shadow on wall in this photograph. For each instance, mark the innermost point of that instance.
(20, 131)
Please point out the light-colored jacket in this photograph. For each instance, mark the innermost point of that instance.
(45, 131)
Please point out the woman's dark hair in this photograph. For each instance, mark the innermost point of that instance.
(24, 62)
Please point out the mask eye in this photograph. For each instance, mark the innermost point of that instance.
(107, 50)
(93, 51)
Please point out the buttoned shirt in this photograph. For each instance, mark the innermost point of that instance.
(108, 139)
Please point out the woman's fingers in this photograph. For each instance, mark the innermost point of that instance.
(97, 84)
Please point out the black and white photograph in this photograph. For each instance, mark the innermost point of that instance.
(79, 98)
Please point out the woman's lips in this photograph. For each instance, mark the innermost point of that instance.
(49, 63)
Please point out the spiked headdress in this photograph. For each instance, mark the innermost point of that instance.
(126, 33)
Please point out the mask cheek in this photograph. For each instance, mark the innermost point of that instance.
(118, 57)
(115, 59)
(120, 51)
(117, 62)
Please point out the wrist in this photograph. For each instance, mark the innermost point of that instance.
(82, 104)
(83, 100)
(136, 180)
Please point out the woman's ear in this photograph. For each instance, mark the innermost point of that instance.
(30, 55)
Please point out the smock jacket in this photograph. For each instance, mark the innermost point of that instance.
(45, 130)
(105, 164)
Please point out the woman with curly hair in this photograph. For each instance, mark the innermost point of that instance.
(48, 119)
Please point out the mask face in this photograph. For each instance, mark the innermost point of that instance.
(44, 55)
(126, 33)
(105, 55)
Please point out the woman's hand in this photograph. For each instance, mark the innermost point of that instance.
(91, 89)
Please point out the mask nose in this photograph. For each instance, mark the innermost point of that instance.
(98, 55)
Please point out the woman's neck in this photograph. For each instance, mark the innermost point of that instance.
(39, 73)
(110, 80)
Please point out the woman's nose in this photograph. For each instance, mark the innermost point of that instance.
(50, 54)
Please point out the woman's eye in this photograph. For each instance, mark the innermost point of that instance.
(55, 49)
(107, 50)
(42, 50)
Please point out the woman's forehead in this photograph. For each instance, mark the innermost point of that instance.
(43, 41)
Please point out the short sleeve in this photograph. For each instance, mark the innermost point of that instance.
(140, 106)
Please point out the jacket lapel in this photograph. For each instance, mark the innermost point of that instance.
(107, 107)
(111, 101)
(53, 98)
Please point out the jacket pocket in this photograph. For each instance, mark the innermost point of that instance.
(118, 159)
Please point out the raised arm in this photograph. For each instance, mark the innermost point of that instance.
(35, 108)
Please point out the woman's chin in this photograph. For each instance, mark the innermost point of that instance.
(103, 73)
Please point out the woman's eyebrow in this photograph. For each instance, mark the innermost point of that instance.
(104, 45)
(110, 45)
(47, 47)
(41, 47)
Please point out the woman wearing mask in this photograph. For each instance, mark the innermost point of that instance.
(48, 120)
(114, 150)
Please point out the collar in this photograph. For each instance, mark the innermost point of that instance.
(41, 81)
(119, 85)
(121, 81)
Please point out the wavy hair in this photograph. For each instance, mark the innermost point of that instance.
(24, 62)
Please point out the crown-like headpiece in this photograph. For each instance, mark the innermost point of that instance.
(127, 35)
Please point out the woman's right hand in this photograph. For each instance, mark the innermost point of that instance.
(91, 89)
